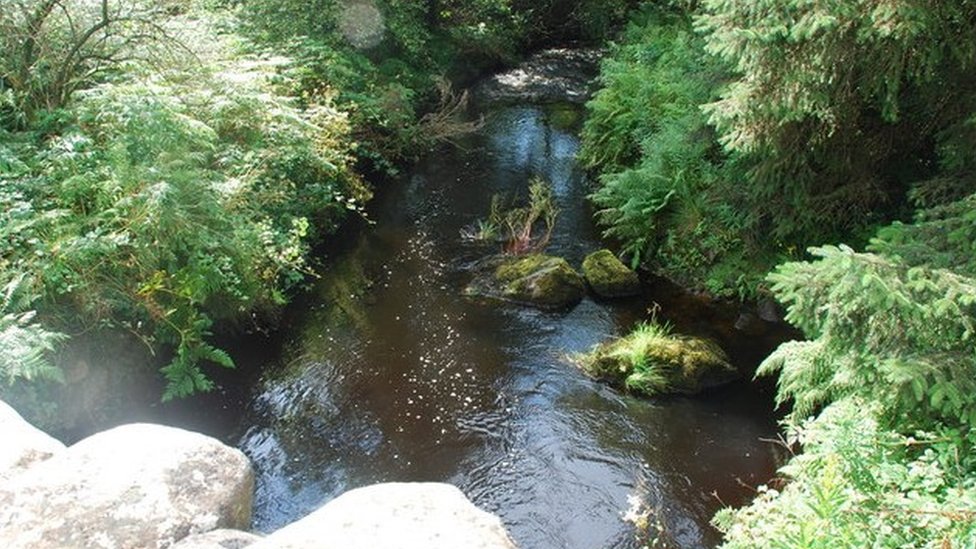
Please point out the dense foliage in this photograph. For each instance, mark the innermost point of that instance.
(166, 166)
(163, 199)
(667, 191)
(884, 405)
(385, 58)
(732, 135)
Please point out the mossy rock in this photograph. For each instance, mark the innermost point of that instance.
(564, 116)
(540, 280)
(652, 361)
(608, 276)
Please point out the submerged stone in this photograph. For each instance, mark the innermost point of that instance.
(540, 280)
(652, 361)
(560, 75)
(608, 276)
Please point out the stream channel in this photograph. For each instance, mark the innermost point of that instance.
(386, 373)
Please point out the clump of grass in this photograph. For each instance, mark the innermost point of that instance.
(628, 360)
(653, 360)
(487, 229)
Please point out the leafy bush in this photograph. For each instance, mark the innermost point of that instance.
(160, 204)
(857, 484)
(24, 343)
(884, 405)
(666, 191)
(388, 83)
(728, 148)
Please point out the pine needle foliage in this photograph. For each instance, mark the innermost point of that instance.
(883, 396)
(942, 237)
(880, 330)
(730, 135)
(840, 105)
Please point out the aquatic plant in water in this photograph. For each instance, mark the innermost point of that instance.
(523, 229)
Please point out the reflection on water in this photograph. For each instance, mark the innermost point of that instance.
(392, 376)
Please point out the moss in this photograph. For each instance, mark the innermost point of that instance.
(608, 276)
(521, 267)
(541, 280)
(564, 116)
(652, 361)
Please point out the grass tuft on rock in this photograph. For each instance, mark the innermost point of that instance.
(652, 360)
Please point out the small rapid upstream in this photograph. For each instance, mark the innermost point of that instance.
(388, 374)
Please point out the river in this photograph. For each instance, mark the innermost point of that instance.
(386, 373)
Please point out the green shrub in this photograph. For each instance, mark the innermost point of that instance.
(734, 146)
(160, 205)
(857, 484)
(881, 330)
(666, 191)
(24, 343)
(883, 404)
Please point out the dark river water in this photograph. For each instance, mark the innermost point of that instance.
(387, 373)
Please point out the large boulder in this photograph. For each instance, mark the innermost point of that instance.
(394, 515)
(652, 361)
(23, 444)
(608, 276)
(137, 485)
(536, 279)
(218, 539)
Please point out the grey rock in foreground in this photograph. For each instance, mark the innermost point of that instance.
(394, 516)
(23, 444)
(608, 276)
(218, 539)
(136, 485)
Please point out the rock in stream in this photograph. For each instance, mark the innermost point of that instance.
(540, 280)
(558, 75)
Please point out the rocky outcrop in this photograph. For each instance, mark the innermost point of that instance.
(549, 76)
(218, 539)
(22, 443)
(540, 280)
(608, 276)
(137, 485)
(401, 515)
